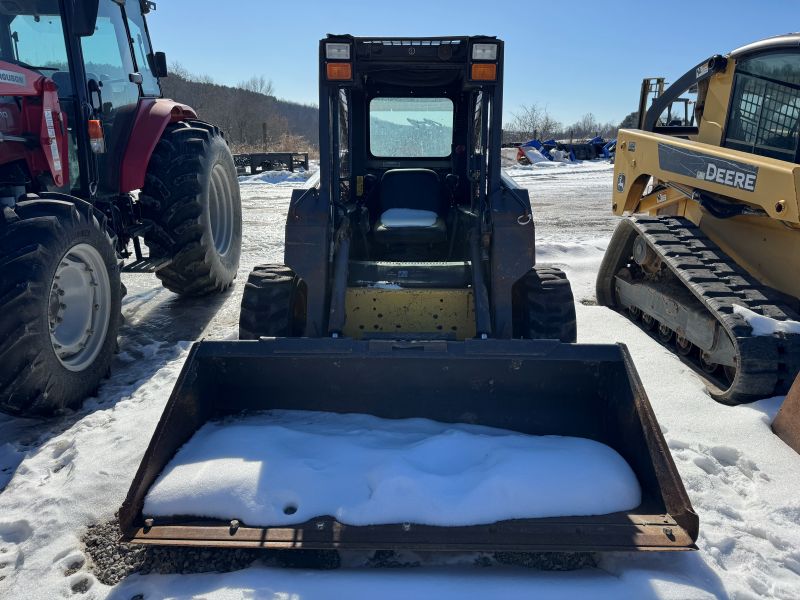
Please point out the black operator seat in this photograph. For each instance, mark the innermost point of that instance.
(411, 208)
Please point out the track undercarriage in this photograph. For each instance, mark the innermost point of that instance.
(665, 274)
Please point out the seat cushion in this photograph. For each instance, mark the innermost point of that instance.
(408, 217)
(409, 226)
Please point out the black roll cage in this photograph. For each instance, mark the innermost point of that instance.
(398, 62)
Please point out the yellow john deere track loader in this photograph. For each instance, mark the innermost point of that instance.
(410, 290)
(710, 260)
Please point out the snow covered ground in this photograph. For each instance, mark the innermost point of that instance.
(64, 475)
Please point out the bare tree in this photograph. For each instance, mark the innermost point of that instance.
(258, 84)
(534, 121)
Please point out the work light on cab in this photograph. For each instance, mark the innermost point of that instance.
(337, 51)
(484, 51)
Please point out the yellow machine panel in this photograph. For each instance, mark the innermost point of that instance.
(446, 312)
(767, 246)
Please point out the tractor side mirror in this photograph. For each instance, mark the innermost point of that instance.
(160, 65)
(95, 95)
(84, 17)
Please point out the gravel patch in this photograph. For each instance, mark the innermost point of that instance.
(111, 561)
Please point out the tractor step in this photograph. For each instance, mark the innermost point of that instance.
(146, 265)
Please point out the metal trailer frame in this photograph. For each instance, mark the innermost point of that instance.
(265, 161)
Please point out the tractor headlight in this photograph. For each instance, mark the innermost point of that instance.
(484, 52)
(337, 51)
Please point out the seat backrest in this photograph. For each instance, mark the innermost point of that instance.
(64, 82)
(418, 189)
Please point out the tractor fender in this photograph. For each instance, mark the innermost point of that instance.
(152, 117)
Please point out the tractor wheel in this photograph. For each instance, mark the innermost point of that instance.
(60, 298)
(273, 304)
(544, 307)
(191, 193)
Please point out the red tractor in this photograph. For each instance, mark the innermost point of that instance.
(83, 126)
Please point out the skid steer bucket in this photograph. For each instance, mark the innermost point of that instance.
(533, 387)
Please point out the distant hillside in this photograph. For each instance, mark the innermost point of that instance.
(249, 114)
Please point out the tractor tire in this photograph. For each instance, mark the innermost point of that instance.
(273, 304)
(544, 307)
(191, 193)
(60, 297)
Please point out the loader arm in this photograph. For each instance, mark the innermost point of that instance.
(36, 129)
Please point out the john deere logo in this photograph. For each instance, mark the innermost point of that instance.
(621, 182)
(731, 177)
(730, 173)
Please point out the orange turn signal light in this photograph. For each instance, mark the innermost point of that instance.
(484, 72)
(339, 71)
(96, 138)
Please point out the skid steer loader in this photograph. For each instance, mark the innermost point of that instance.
(410, 290)
(709, 260)
(83, 127)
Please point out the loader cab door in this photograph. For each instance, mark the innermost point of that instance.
(114, 89)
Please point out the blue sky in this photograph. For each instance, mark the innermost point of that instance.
(572, 57)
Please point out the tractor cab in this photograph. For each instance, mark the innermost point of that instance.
(98, 54)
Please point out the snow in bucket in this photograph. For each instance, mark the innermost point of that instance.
(286, 467)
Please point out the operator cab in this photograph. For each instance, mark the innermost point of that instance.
(409, 137)
(763, 114)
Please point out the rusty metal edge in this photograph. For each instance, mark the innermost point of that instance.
(787, 422)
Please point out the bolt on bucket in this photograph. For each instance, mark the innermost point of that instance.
(532, 387)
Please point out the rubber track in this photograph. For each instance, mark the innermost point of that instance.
(766, 365)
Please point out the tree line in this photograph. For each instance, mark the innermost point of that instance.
(253, 119)
(533, 121)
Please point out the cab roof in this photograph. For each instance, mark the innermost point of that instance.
(785, 41)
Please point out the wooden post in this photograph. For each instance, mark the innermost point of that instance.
(264, 135)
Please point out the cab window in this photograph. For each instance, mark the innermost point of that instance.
(142, 52)
(108, 59)
(38, 41)
(410, 127)
(765, 106)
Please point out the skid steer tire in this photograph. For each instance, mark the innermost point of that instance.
(191, 193)
(60, 292)
(273, 304)
(544, 307)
